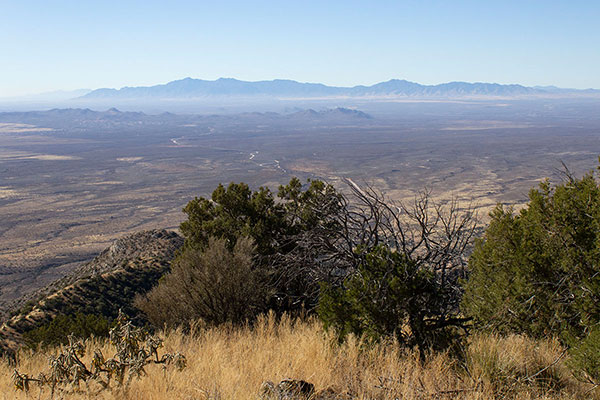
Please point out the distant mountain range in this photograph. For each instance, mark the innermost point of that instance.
(113, 113)
(84, 118)
(197, 88)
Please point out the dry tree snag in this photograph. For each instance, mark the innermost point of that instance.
(434, 236)
(429, 239)
(343, 228)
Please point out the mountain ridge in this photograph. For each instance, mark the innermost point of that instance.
(114, 115)
(198, 88)
(132, 265)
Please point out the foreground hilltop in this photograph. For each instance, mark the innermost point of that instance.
(131, 265)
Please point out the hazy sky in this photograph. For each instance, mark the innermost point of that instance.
(48, 45)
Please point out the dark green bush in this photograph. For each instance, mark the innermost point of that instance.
(390, 295)
(585, 357)
(56, 332)
(233, 212)
(538, 272)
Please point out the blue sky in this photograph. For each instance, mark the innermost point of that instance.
(50, 45)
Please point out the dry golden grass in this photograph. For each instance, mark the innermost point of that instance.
(225, 363)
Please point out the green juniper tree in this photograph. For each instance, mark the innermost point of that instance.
(403, 280)
(537, 272)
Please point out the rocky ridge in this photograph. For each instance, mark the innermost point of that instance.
(131, 265)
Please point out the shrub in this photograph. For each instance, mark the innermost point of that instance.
(56, 332)
(390, 295)
(216, 285)
(400, 267)
(538, 272)
(233, 212)
(585, 357)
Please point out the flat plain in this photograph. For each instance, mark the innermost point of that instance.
(73, 180)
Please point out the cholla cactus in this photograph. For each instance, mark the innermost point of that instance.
(135, 349)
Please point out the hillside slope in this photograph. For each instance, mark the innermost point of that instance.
(131, 265)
